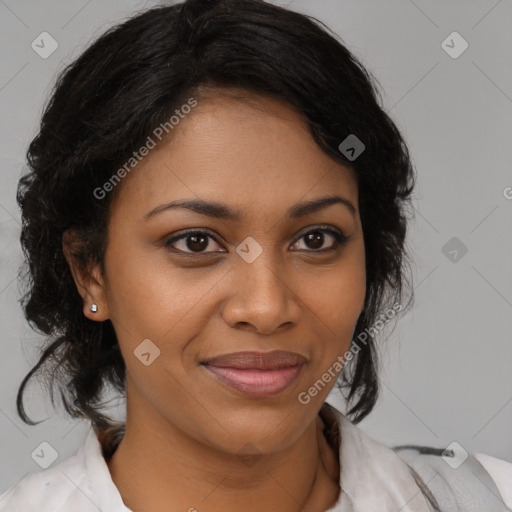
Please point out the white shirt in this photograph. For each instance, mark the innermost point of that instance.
(373, 478)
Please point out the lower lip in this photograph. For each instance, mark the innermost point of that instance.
(256, 383)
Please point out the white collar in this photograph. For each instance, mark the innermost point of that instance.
(373, 477)
(106, 493)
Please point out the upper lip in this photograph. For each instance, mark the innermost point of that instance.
(274, 360)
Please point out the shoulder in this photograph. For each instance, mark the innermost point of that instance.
(53, 489)
(418, 478)
(80, 482)
(459, 480)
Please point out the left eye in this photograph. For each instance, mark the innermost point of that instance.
(315, 239)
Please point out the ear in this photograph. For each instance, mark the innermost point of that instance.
(89, 281)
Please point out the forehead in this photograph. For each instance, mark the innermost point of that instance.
(239, 148)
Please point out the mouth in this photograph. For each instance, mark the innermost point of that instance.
(257, 374)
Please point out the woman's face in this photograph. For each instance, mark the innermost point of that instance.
(270, 278)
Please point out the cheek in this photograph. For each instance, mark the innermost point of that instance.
(149, 299)
(348, 299)
(336, 305)
(337, 298)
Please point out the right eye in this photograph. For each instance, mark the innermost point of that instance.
(192, 242)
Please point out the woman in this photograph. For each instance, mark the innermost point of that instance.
(214, 220)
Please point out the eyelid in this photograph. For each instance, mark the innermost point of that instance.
(183, 234)
(320, 227)
(340, 238)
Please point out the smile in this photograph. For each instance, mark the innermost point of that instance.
(256, 383)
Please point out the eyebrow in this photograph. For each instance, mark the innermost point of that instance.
(221, 211)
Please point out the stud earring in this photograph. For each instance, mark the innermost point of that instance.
(94, 307)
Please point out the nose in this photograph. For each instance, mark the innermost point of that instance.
(260, 298)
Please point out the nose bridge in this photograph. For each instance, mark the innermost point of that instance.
(260, 295)
(262, 275)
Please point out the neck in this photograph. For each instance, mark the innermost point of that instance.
(170, 467)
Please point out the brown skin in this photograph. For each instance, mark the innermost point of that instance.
(185, 429)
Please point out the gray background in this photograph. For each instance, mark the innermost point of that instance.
(446, 368)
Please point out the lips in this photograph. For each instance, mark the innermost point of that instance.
(257, 374)
(274, 360)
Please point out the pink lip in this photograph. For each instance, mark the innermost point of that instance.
(257, 374)
(274, 360)
(256, 383)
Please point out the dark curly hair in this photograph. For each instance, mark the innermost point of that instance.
(105, 104)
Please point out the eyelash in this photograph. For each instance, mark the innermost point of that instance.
(339, 240)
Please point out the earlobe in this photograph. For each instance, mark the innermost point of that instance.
(93, 293)
(89, 282)
(97, 307)
(93, 311)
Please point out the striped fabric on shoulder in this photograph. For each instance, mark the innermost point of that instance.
(457, 485)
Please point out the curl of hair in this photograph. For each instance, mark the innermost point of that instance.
(107, 102)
